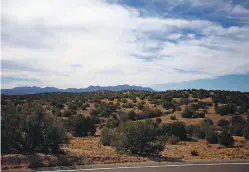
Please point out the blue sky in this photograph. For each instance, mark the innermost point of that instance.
(156, 43)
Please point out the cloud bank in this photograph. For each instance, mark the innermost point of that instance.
(81, 42)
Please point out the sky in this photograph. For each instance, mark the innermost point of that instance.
(156, 43)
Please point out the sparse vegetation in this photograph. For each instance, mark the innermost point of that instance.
(131, 122)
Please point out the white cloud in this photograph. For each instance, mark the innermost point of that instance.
(103, 38)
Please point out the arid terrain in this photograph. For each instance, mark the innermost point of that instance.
(89, 149)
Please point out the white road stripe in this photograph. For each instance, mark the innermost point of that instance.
(158, 166)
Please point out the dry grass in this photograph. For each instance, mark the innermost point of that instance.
(90, 147)
(209, 151)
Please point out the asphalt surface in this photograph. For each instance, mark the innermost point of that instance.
(216, 167)
(184, 167)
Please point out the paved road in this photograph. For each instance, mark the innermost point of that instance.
(217, 167)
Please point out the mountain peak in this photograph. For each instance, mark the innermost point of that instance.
(36, 90)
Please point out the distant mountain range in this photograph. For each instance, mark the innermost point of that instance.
(36, 90)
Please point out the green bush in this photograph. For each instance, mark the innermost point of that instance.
(158, 121)
(137, 138)
(108, 137)
(68, 113)
(112, 123)
(125, 105)
(225, 138)
(124, 100)
(151, 113)
(82, 126)
(168, 105)
(60, 105)
(222, 123)
(140, 105)
(188, 112)
(178, 129)
(199, 132)
(246, 129)
(211, 136)
(246, 132)
(184, 101)
(154, 101)
(207, 122)
(30, 130)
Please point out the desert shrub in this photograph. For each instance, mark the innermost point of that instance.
(237, 126)
(152, 113)
(132, 115)
(225, 138)
(125, 105)
(200, 115)
(178, 129)
(173, 140)
(207, 121)
(237, 119)
(108, 137)
(155, 101)
(130, 105)
(124, 100)
(222, 123)
(31, 130)
(82, 126)
(85, 105)
(56, 112)
(246, 129)
(134, 99)
(211, 136)
(158, 121)
(191, 129)
(140, 138)
(194, 153)
(68, 113)
(184, 101)
(112, 122)
(60, 105)
(173, 117)
(72, 106)
(79, 104)
(236, 129)
(246, 132)
(242, 109)
(178, 108)
(110, 98)
(226, 109)
(140, 105)
(199, 132)
(168, 105)
(142, 116)
(165, 129)
(188, 112)
(125, 116)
